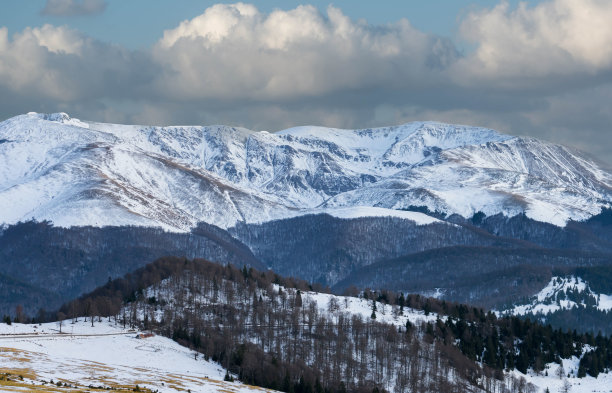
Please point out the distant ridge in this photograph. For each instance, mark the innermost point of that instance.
(76, 173)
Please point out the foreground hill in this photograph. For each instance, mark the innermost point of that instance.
(278, 333)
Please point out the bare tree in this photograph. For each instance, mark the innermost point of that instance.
(60, 320)
(566, 387)
(560, 372)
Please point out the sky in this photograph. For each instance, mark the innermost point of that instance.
(538, 68)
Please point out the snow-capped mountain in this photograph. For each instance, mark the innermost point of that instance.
(72, 172)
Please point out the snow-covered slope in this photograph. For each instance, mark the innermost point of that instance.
(84, 173)
(549, 379)
(106, 356)
(563, 293)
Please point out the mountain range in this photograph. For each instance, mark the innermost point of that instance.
(464, 213)
(77, 173)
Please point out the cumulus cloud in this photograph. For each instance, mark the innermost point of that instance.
(61, 64)
(558, 37)
(544, 71)
(236, 52)
(73, 7)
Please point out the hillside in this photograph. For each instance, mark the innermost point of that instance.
(570, 300)
(44, 266)
(278, 333)
(491, 263)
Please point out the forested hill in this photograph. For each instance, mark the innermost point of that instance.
(278, 332)
(43, 266)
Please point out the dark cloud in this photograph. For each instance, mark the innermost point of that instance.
(234, 65)
(73, 7)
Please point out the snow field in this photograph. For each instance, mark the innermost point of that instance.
(107, 355)
(588, 384)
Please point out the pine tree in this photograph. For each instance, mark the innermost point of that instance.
(490, 356)
(522, 361)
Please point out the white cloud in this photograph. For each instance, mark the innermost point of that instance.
(3, 39)
(55, 39)
(554, 37)
(213, 25)
(73, 7)
(61, 64)
(24, 60)
(234, 51)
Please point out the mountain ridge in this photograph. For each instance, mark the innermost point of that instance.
(78, 173)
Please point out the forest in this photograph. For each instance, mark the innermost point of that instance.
(495, 260)
(270, 331)
(43, 266)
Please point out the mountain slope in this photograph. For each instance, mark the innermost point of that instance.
(80, 173)
(326, 249)
(484, 276)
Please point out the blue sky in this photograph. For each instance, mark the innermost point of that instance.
(539, 68)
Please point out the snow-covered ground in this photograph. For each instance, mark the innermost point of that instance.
(354, 212)
(385, 313)
(105, 355)
(110, 356)
(552, 381)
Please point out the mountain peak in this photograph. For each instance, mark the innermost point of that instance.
(58, 117)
